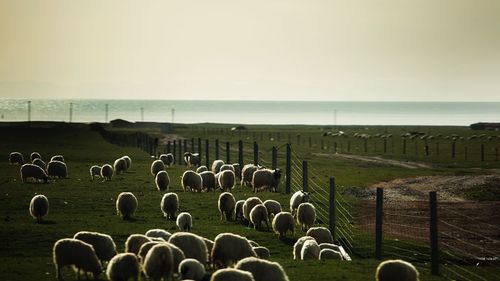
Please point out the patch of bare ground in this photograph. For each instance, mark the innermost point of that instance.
(377, 160)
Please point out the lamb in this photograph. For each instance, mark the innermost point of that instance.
(297, 247)
(122, 267)
(266, 179)
(156, 167)
(216, 166)
(159, 263)
(128, 161)
(263, 270)
(39, 207)
(329, 254)
(35, 155)
(239, 210)
(321, 234)
(298, 198)
(169, 205)
(229, 167)
(192, 159)
(134, 243)
(33, 171)
(306, 215)
(126, 205)
(167, 159)
(57, 169)
(95, 171)
(273, 207)
(120, 166)
(282, 223)
(262, 252)
(39, 162)
(184, 221)
(106, 172)
(226, 205)
(229, 248)
(57, 158)
(396, 270)
(73, 252)
(248, 205)
(310, 250)
(231, 274)
(247, 174)
(191, 269)
(226, 180)
(208, 180)
(191, 181)
(162, 180)
(201, 169)
(192, 245)
(258, 214)
(157, 232)
(104, 246)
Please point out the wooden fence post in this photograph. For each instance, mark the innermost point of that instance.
(217, 149)
(255, 153)
(228, 153)
(240, 153)
(274, 157)
(378, 223)
(180, 151)
(176, 161)
(331, 209)
(434, 233)
(207, 154)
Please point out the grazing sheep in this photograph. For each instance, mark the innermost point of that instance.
(247, 174)
(226, 205)
(329, 254)
(239, 210)
(167, 159)
(128, 161)
(282, 223)
(184, 221)
(126, 204)
(210, 245)
(297, 247)
(258, 214)
(237, 170)
(263, 270)
(231, 274)
(191, 181)
(120, 166)
(57, 169)
(298, 198)
(73, 252)
(262, 252)
(216, 166)
(201, 169)
(266, 179)
(217, 185)
(143, 251)
(106, 172)
(226, 167)
(162, 180)
(33, 171)
(329, 246)
(123, 267)
(191, 269)
(273, 207)
(321, 234)
(248, 205)
(192, 245)
(156, 167)
(95, 171)
(310, 250)
(104, 246)
(178, 256)
(226, 180)
(391, 270)
(208, 180)
(39, 207)
(134, 243)
(57, 158)
(306, 215)
(253, 243)
(39, 162)
(191, 159)
(35, 155)
(169, 205)
(229, 248)
(157, 232)
(159, 263)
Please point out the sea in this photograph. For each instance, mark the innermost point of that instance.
(251, 112)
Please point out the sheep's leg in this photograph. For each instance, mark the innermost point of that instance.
(267, 226)
(58, 273)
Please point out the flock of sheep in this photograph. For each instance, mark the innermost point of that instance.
(159, 254)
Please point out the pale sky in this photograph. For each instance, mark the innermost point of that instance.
(420, 50)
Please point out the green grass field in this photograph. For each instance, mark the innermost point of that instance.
(77, 203)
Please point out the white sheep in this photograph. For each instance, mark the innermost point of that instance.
(226, 180)
(329, 246)
(216, 165)
(282, 223)
(297, 247)
(162, 180)
(120, 166)
(191, 181)
(104, 246)
(238, 210)
(134, 242)
(35, 155)
(184, 221)
(143, 251)
(57, 169)
(298, 198)
(95, 171)
(192, 245)
(258, 214)
(229, 167)
(33, 171)
(248, 205)
(231, 274)
(208, 180)
(178, 255)
(39, 207)
(191, 159)
(158, 232)
(263, 270)
(247, 174)
(126, 205)
(106, 172)
(237, 170)
(122, 267)
(73, 252)
(310, 250)
(169, 205)
(156, 167)
(273, 207)
(159, 263)
(167, 159)
(191, 269)
(266, 179)
(128, 161)
(201, 169)
(39, 162)
(226, 205)
(262, 252)
(217, 185)
(396, 270)
(210, 246)
(229, 248)
(321, 234)
(57, 158)
(329, 254)
(306, 215)
(253, 243)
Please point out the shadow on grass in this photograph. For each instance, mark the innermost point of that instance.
(290, 241)
(48, 222)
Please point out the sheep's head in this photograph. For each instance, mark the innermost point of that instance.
(277, 174)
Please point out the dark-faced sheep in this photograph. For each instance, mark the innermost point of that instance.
(73, 252)
(266, 179)
(30, 171)
(191, 159)
(191, 181)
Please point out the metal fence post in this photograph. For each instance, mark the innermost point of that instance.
(255, 153)
(178, 161)
(199, 149)
(217, 149)
(207, 154)
(378, 223)
(305, 183)
(331, 209)
(274, 154)
(288, 172)
(228, 152)
(240, 153)
(434, 233)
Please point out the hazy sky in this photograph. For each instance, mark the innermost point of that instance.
(261, 49)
